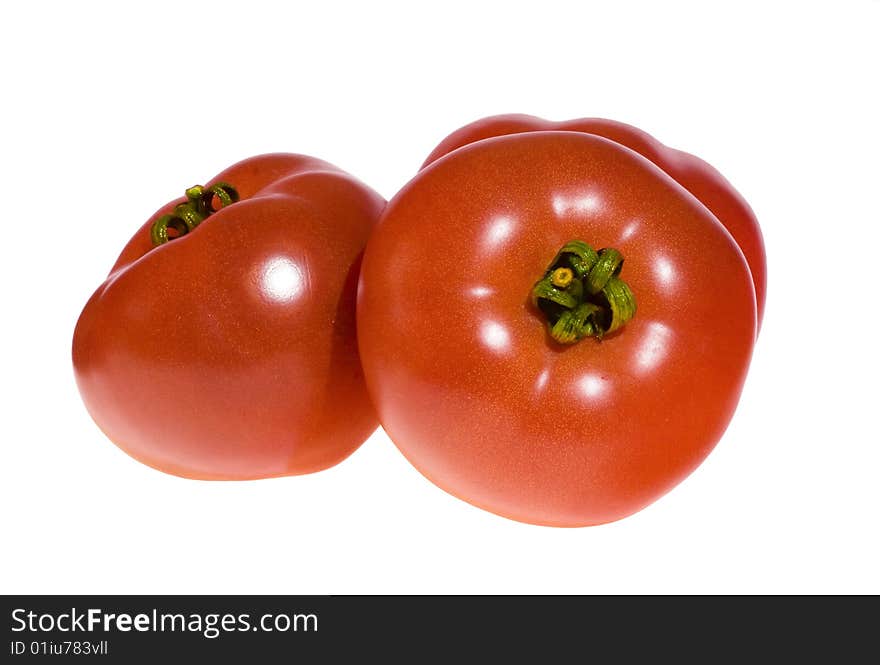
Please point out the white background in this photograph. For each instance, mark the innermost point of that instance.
(110, 110)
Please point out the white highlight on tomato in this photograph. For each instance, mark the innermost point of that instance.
(499, 231)
(665, 271)
(653, 348)
(629, 230)
(541, 381)
(282, 279)
(495, 336)
(481, 292)
(592, 386)
(580, 202)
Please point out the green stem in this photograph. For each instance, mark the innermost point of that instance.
(581, 294)
(199, 205)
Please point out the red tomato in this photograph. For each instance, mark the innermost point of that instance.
(230, 352)
(466, 379)
(691, 172)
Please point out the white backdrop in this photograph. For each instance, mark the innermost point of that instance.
(102, 99)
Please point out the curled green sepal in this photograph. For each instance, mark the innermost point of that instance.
(223, 192)
(621, 304)
(575, 324)
(607, 266)
(198, 206)
(581, 294)
(578, 256)
(546, 292)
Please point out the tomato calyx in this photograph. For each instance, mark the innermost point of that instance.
(199, 205)
(582, 295)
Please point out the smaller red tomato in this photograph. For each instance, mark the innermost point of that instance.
(222, 345)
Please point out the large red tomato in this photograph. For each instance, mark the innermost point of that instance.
(699, 178)
(228, 351)
(461, 356)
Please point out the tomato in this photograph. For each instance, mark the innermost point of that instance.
(226, 348)
(465, 278)
(691, 172)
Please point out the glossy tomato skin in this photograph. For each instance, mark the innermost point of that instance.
(460, 366)
(699, 178)
(230, 352)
